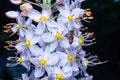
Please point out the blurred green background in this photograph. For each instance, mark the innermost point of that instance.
(106, 26)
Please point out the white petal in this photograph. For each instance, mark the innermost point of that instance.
(22, 32)
(65, 43)
(14, 29)
(68, 71)
(16, 2)
(34, 61)
(35, 50)
(39, 72)
(29, 35)
(77, 12)
(47, 37)
(34, 15)
(75, 42)
(52, 24)
(20, 46)
(53, 46)
(35, 39)
(25, 76)
(40, 28)
(53, 59)
(27, 5)
(12, 14)
(63, 58)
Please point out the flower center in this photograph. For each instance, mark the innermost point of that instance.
(87, 62)
(70, 18)
(19, 60)
(24, 8)
(27, 43)
(43, 62)
(59, 76)
(18, 26)
(58, 36)
(43, 18)
(70, 58)
(80, 42)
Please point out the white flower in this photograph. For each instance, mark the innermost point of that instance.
(16, 2)
(56, 38)
(71, 17)
(69, 59)
(26, 8)
(60, 74)
(22, 60)
(43, 60)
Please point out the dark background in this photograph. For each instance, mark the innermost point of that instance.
(106, 26)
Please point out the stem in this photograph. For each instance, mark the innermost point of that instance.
(33, 3)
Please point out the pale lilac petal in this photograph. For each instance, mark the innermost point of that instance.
(25, 76)
(39, 72)
(35, 50)
(40, 28)
(47, 37)
(16, 2)
(65, 43)
(12, 14)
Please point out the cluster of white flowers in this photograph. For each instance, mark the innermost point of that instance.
(51, 39)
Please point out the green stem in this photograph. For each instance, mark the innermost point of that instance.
(33, 3)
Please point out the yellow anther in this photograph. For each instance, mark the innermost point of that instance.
(59, 76)
(58, 36)
(43, 18)
(87, 62)
(24, 8)
(18, 26)
(81, 37)
(19, 60)
(43, 62)
(80, 42)
(70, 18)
(70, 58)
(27, 43)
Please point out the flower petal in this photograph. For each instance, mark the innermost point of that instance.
(12, 14)
(47, 37)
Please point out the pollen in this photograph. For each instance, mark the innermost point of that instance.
(43, 18)
(58, 36)
(70, 58)
(80, 42)
(87, 62)
(59, 76)
(43, 62)
(70, 18)
(24, 8)
(18, 26)
(81, 37)
(27, 43)
(19, 60)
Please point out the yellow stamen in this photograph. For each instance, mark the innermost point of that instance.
(87, 62)
(58, 36)
(27, 43)
(19, 60)
(80, 42)
(70, 18)
(81, 37)
(59, 76)
(43, 62)
(70, 58)
(43, 18)
(18, 26)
